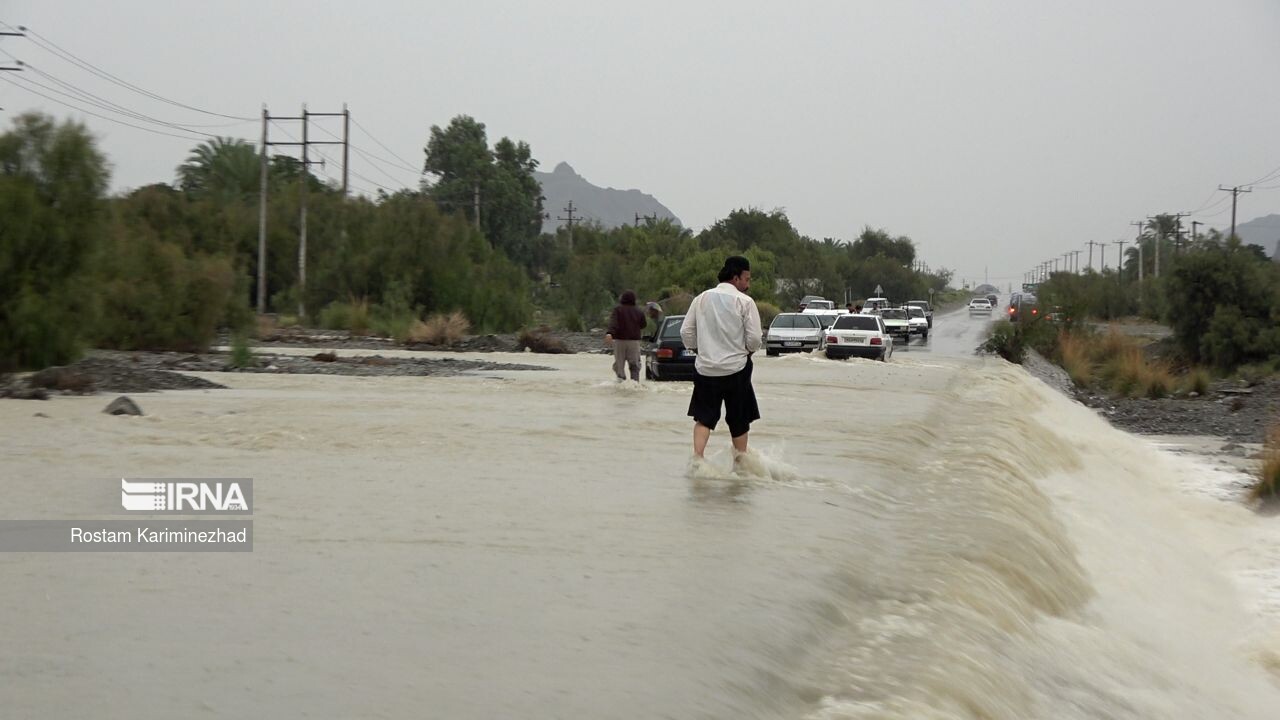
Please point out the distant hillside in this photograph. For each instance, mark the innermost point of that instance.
(611, 208)
(1264, 231)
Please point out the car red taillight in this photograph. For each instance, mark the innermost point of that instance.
(833, 339)
(877, 341)
(1034, 311)
(1011, 310)
(666, 353)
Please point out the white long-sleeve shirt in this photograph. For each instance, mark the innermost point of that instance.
(723, 325)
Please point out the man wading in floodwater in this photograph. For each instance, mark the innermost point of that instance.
(723, 326)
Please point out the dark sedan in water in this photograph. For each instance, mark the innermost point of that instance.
(665, 356)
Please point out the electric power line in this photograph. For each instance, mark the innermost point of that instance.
(377, 167)
(109, 106)
(52, 47)
(408, 165)
(116, 107)
(94, 114)
(358, 175)
(1269, 176)
(373, 159)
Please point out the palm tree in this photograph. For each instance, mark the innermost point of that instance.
(227, 168)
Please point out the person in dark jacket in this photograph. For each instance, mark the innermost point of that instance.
(626, 324)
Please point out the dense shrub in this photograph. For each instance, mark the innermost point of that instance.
(1008, 341)
(52, 178)
(351, 315)
(768, 311)
(541, 341)
(156, 297)
(1224, 304)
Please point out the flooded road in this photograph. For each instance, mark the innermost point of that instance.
(940, 536)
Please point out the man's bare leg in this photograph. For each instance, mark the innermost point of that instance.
(740, 443)
(701, 434)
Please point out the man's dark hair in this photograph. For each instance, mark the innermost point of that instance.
(734, 265)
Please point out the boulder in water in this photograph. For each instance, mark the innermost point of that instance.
(123, 406)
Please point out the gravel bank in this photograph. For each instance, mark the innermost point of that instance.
(138, 372)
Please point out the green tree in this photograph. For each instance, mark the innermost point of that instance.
(464, 167)
(52, 179)
(224, 168)
(1223, 303)
(873, 242)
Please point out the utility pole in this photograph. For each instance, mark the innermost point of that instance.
(1077, 254)
(569, 223)
(1120, 259)
(302, 222)
(475, 202)
(12, 68)
(262, 218)
(303, 178)
(346, 146)
(1091, 244)
(1177, 231)
(1138, 241)
(1159, 240)
(1235, 192)
(1102, 253)
(1195, 237)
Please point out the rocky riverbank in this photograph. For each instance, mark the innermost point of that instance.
(1230, 409)
(573, 342)
(136, 372)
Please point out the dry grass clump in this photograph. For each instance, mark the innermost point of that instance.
(352, 316)
(1268, 485)
(768, 311)
(62, 379)
(1196, 381)
(1132, 375)
(1076, 358)
(440, 329)
(1113, 344)
(678, 304)
(541, 341)
(266, 327)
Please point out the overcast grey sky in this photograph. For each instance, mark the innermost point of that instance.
(996, 134)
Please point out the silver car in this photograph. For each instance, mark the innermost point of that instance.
(793, 332)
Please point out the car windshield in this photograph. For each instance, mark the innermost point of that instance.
(980, 302)
(806, 322)
(893, 314)
(918, 303)
(856, 322)
(820, 305)
(827, 318)
(915, 312)
(671, 331)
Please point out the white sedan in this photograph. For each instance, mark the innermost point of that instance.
(859, 336)
(919, 322)
(979, 306)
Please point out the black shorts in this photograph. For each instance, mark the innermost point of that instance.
(734, 391)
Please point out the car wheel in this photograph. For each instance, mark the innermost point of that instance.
(924, 337)
(884, 355)
(771, 353)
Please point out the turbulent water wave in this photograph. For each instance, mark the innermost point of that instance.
(940, 539)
